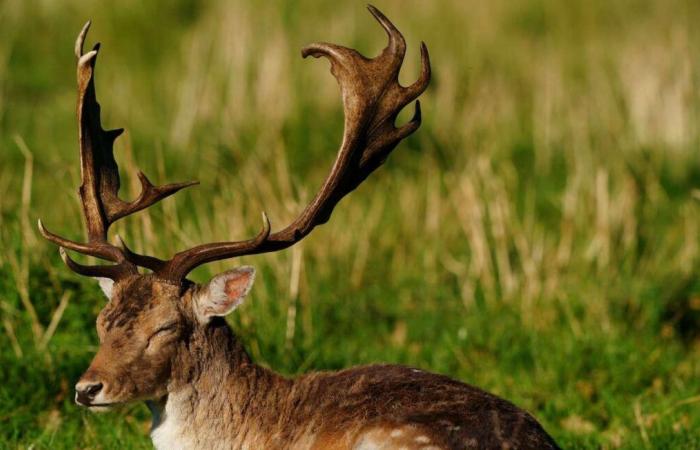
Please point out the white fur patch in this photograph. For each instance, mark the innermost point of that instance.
(405, 437)
(168, 427)
(106, 285)
(396, 433)
(367, 443)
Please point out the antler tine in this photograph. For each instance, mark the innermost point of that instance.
(396, 49)
(97, 249)
(372, 98)
(417, 88)
(150, 194)
(99, 190)
(81, 39)
(177, 268)
(103, 271)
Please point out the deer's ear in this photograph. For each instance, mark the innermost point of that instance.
(224, 293)
(106, 284)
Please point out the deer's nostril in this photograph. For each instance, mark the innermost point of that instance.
(93, 389)
(86, 392)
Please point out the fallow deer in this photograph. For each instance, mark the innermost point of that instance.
(164, 340)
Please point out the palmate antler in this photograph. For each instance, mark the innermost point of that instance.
(100, 180)
(372, 98)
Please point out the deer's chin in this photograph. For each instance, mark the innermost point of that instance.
(101, 408)
(105, 406)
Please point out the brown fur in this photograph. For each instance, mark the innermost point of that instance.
(230, 402)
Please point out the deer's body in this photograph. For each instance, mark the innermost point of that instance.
(205, 392)
(163, 339)
(225, 401)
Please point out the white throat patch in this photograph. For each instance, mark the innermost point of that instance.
(169, 425)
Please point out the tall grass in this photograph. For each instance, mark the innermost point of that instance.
(537, 237)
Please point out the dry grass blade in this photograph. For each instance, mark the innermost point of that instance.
(10, 331)
(55, 319)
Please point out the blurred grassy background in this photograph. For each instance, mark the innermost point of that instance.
(537, 237)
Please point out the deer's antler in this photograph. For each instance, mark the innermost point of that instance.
(372, 98)
(99, 191)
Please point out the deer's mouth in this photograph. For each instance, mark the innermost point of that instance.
(102, 407)
(98, 406)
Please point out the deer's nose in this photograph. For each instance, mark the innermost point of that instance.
(86, 391)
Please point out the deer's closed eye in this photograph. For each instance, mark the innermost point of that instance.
(165, 330)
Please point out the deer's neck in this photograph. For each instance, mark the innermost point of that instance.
(217, 396)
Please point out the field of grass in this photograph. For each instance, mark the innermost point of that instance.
(539, 236)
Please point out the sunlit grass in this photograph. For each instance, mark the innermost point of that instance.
(538, 236)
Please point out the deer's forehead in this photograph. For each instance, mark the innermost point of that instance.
(138, 302)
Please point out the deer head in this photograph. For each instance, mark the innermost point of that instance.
(148, 317)
(144, 325)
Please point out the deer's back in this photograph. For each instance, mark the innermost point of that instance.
(389, 406)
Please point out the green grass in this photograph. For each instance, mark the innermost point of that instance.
(538, 237)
